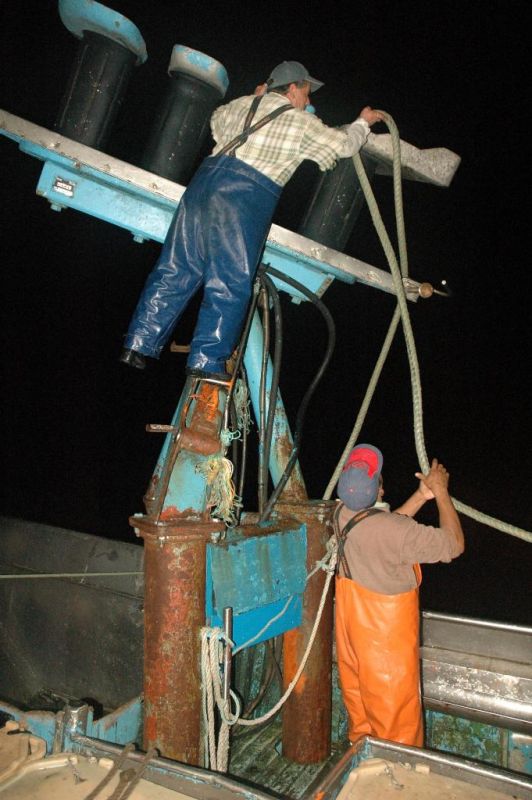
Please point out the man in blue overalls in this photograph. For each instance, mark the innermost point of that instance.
(218, 232)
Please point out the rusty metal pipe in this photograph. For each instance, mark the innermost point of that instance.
(307, 712)
(174, 612)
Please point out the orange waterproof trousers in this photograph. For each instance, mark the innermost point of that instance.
(377, 646)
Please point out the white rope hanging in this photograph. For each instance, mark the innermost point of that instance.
(402, 314)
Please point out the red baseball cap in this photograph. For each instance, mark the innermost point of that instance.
(365, 455)
(358, 486)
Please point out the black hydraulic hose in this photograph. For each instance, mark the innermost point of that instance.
(300, 418)
(245, 333)
(276, 370)
(262, 474)
(237, 366)
(273, 652)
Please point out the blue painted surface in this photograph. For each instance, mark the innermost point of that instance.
(520, 753)
(39, 723)
(192, 62)
(169, 436)
(282, 433)
(246, 626)
(255, 576)
(187, 489)
(121, 726)
(109, 202)
(87, 15)
(478, 740)
(304, 268)
(148, 215)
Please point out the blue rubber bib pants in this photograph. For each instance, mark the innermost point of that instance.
(216, 239)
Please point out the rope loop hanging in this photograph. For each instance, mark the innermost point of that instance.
(401, 313)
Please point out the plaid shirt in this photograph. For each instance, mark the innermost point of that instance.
(278, 148)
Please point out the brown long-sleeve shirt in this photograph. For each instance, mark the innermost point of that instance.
(382, 549)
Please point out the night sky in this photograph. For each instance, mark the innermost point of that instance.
(451, 74)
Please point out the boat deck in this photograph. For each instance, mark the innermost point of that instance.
(256, 759)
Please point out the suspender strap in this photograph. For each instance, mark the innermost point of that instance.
(340, 539)
(341, 535)
(230, 148)
(251, 113)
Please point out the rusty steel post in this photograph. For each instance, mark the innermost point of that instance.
(307, 712)
(174, 612)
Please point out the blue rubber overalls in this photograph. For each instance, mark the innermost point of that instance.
(215, 239)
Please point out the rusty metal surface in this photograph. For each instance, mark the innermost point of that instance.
(250, 525)
(309, 707)
(200, 442)
(295, 489)
(174, 612)
(206, 416)
(194, 431)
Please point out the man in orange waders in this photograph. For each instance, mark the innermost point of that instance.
(377, 605)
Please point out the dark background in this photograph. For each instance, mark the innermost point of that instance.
(451, 74)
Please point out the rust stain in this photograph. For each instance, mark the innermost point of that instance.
(208, 399)
(170, 512)
(202, 433)
(200, 442)
(309, 706)
(174, 614)
(295, 486)
(150, 728)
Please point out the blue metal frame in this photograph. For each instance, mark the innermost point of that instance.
(198, 65)
(87, 15)
(256, 576)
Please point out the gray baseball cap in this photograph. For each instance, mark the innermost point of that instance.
(291, 72)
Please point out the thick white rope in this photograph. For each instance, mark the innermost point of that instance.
(402, 308)
(216, 750)
(209, 725)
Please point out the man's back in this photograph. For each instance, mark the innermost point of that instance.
(382, 549)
